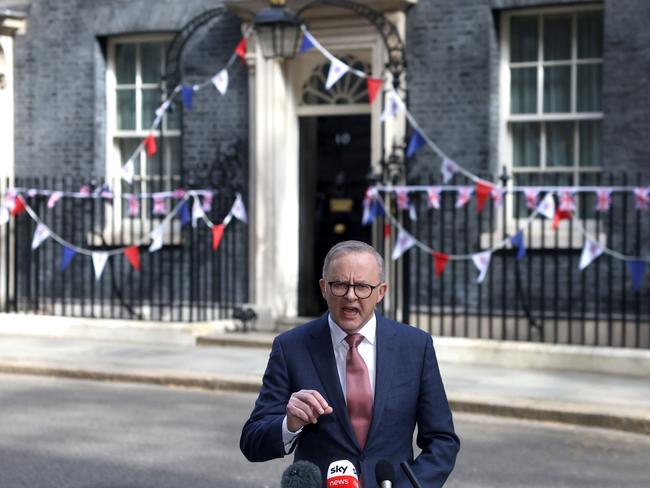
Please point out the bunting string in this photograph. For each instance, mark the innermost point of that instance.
(338, 68)
(454, 257)
(198, 213)
(592, 248)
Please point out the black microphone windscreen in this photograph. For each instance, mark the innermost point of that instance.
(384, 471)
(301, 474)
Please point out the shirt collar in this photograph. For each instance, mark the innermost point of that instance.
(368, 331)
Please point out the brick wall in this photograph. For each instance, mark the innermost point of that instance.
(60, 80)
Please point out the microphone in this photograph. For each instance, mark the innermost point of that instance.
(410, 474)
(342, 474)
(385, 474)
(301, 474)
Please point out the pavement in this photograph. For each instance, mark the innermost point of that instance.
(236, 362)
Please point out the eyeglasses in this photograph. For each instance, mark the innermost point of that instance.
(361, 290)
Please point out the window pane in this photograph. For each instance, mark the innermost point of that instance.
(523, 39)
(125, 63)
(523, 93)
(590, 138)
(150, 102)
(557, 37)
(590, 83)
(173, 116)
(558, 179)
(126, 109)
(525, 144)
(590, 35)
(127, 147)
(174, 166)
(559, 143)
(150, 57)
(557, 89)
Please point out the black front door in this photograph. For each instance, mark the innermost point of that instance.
(334, 166)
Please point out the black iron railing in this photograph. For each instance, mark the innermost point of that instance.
(184, 281)
(543, 297)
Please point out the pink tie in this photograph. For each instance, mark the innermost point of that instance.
(359, 394)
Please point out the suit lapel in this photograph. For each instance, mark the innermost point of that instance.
(385, 362)
(323, 356)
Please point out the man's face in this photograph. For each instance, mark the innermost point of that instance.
(350, 312)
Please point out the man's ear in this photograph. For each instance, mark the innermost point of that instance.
(323, 286)
(381, 291)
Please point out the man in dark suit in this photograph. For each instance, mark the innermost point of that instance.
(354, 385)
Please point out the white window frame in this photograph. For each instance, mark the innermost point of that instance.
(506, 118)
(124, 225)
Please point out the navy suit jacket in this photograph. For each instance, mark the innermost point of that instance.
(408, 392)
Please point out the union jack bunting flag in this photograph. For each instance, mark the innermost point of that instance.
(159, 205)
(642, 198)
(567, 201)
(531, 198)
(433, 197)
(603, 200)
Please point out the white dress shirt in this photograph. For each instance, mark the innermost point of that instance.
(367, 351)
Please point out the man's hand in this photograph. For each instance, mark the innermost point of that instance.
(304, 407)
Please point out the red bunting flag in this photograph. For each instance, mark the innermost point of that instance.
(386, 230)
(440, 260)
(19, 206)
(240, 50)
(150, 145)
(374, 85)
(483, 191)
(132, 253)
(217, 234)
(560, 215)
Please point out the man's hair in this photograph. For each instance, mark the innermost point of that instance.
(348, 247)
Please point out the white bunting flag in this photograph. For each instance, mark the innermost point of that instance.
(405, 241)
(337, 69)
(464, 196)
(197, 211)
(32, 192)
(394, 106)
(4, 215)
(99, 262)
(589, 253)
(40, 234)
(448, 169)
(482, 262)
(220, 81)
(127, 171)
(547, 206)
(156, 238)
(238, 209)
(54, 197)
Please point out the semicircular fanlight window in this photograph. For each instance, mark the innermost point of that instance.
(349, 89)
